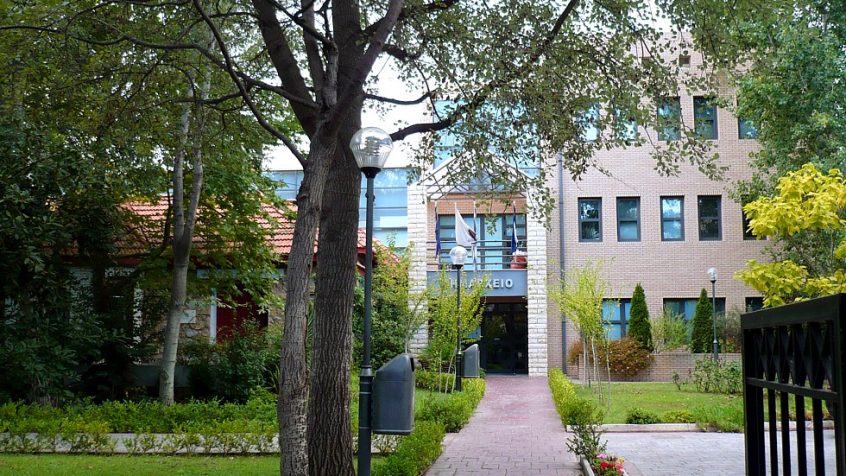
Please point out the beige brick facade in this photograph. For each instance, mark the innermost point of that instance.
(665, 269)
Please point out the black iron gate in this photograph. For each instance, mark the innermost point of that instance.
(795, 350)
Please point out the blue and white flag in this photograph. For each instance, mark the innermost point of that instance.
(437, 235)
(514, 242)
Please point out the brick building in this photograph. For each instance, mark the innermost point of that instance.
(662, 232)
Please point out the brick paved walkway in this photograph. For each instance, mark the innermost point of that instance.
(514, 431)
(705, 454)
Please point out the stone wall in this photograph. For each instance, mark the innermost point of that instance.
(662, 369)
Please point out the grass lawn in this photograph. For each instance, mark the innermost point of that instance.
(72, 465)
(725, 412)
(148, 465)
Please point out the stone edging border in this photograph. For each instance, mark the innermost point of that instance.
(586, 469)
(688, 427)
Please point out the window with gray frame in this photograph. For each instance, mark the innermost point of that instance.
(590, 219)
(615, 317)
(672, 218)
(628, 219)
(686, 308)
(710, 227)
(669, 119)
(705, 117)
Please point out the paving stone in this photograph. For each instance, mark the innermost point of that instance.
(706, 454)
(515, 431)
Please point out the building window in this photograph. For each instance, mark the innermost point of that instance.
(746, 129)
(615, 317)
(590, 219)
(754, 303)
(705, 117)
(589, 122)
(686, 307)
(669, 119)
(390, 211)
(289, 183)
(625, 126)
(709, 218)
(628, 219)
(747, 232)
(672, 218)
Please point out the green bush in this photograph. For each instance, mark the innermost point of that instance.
(416, 452)
(231, 369)
(627, 357)
(453, 410)
(702, 336)
(639, 416)
(434, 381)
(640, 329)
(727, 419)
(670, 331)
(678, 416)
(718, 377)
(572, 410)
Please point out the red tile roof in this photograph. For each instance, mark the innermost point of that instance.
(146, 223)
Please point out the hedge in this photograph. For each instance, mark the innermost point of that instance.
(571, 409)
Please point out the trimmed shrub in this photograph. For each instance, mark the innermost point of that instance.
(627, 357)
(415, 453)
(678, 416)
(703, 334)
(434, 381)
(640, 329)
(571, 409)
(639, 416)
(453, 410)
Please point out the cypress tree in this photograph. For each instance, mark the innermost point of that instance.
(640, 328)
(700, 340)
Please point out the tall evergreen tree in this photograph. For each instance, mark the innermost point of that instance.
(640, 328)
(702, 336)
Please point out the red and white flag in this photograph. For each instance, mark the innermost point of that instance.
(464, 235)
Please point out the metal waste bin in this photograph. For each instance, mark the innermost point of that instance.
(393, 397)
(471, 362)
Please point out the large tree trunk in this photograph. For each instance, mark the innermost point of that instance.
(184, 219)
(330, 439)
(292, 408)
(181, 253)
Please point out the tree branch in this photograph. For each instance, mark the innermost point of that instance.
(230, 68)
(285, 63)
(354, 88)
(399, 102)
(493, 85)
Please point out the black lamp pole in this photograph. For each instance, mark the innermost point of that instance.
(371, 147)
(366, 376)
(712, 273)
(458, 354)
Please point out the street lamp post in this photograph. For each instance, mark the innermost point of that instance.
(712, 276)
(458, 254)
(371, 147)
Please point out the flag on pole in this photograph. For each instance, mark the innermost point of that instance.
(437, 235)
(464, 235)
(514, 242)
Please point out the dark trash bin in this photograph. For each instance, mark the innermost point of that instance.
(393, 397)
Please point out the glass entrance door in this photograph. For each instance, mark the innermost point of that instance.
(505, 338)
